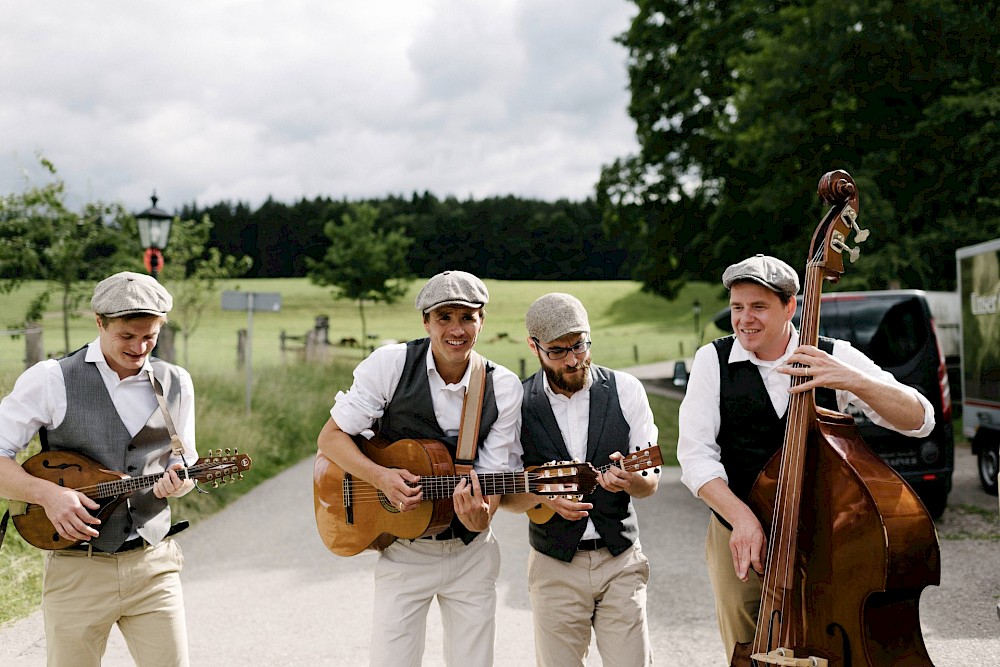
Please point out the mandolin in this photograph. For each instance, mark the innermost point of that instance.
(108, 488)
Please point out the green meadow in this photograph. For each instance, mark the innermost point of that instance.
(291, 399)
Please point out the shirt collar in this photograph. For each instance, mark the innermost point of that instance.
(96, 356)
(739, 353)
(433, 371)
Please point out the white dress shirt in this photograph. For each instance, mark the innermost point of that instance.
(699, 420)
(39, 400)
(375, 382)
(572, 414)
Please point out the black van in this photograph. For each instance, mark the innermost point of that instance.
(896, 330)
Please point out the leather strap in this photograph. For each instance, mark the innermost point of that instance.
(472, 410)
(176, 446)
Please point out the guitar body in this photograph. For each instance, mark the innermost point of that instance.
(348, 525)
(72, 470)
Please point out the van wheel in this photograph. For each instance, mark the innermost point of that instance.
(935, 501)
(989, 463)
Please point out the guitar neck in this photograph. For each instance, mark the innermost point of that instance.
(492, 484)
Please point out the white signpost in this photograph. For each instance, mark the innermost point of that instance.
(251, 301)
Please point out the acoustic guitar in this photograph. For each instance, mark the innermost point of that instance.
(643, 459)
(107, 487)
(352, 515)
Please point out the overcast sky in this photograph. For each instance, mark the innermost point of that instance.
(240, 99)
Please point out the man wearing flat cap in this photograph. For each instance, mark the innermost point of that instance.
(416, 390)
(586, 569)
(107, 401)
(732, 421)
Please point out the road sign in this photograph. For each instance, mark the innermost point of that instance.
(250, 302)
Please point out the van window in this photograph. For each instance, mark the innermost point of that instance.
(890, 333)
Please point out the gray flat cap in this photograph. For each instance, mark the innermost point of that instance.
(128, 293)
(770, 272)
(554, 315)
(452, 288)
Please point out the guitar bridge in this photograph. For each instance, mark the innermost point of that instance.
(348, 492)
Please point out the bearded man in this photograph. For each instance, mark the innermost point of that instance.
(586, 569)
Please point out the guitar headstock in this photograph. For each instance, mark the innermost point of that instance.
(562, 478)
(642, 459)
(221, 467)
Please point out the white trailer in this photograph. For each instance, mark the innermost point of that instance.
(979, 291)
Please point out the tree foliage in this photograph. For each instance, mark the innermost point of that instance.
(42, 239)
(362, 262)
(742, 107)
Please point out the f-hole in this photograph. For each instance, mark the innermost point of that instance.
(845, 641)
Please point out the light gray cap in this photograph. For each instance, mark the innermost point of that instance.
(128, 293)
(768, 271)
(452, 288)
(554, 315)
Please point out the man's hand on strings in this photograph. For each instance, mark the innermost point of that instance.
(471, 506)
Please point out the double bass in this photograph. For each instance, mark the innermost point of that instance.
(850, 545)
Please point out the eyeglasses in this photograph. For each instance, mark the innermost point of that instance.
(557, 353)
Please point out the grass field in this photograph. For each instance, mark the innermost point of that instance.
(291, 399)
(629, 326)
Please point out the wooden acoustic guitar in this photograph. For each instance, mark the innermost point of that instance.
(352, 515)
(650, 457)
(107, 487)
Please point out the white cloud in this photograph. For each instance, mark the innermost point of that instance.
(242, 99)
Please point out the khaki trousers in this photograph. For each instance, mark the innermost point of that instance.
(736, 602)
(84, 595)
(594, 590)
(463, 578)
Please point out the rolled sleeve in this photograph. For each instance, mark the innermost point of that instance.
(699, 422)
(375, 381)
(37, 400)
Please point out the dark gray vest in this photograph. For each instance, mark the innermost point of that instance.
(410, 413)
(613, 514)
(92, 427)
(750, 431)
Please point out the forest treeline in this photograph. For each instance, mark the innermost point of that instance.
(506, 238)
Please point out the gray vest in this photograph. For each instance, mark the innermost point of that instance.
(92, 427)
(613, 514)
(410, 413)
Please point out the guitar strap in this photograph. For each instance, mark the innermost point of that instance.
(176, 446)
(472, 411)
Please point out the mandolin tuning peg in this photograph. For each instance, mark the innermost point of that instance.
(645, 473)
(656, 470)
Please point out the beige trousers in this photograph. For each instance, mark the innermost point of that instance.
(736, 602)
(140, 590)
(594, 590)
(410, 574)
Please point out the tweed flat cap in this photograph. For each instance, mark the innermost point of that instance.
(128, 293)
(452, 288)
(770, 272)
(554, 315)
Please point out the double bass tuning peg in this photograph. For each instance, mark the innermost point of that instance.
(839, 245)
(851, 216)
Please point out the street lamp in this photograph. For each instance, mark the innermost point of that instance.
(154, 230)
(696, 307)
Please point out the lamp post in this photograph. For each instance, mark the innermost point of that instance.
(696, 307)
(154, 231)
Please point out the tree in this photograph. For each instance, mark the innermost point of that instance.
(363, 262)
(41, 239)
(741, 108)
(192, 272)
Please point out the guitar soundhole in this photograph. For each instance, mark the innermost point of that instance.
(388, 506)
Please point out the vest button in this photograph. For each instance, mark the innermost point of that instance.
(131, 448)
(131, 468)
